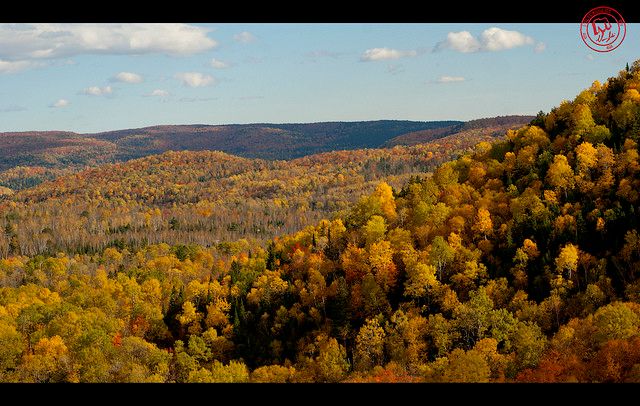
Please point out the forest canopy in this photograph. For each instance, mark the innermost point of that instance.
(517, 261)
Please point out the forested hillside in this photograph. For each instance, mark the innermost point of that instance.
(204, 197)
(517, 261)
(266, 141)
(28, 158)
(495, 126)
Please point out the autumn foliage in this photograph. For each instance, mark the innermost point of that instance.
(514, 262)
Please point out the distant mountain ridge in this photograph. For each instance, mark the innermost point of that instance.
(28, 158)
(265, 140)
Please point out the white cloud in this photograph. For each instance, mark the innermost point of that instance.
(158, 93)
(491, 40)
(497, 39)
(540, 47)
(450, 79)
(14, 66)
(60, 103)
(218, 64)
(22, 43)
(461, 41)
(98, 91)
(195, 79)
(381, 54)
(244, 37)
(127, 77)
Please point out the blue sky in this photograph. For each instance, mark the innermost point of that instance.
(99, 77)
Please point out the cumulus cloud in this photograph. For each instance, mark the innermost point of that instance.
(21, 44)
(218, 64)
(127, 77)
(450, 79)
(491, 40)
(461, 41)
(195, 79)
(381, 54)
(497, 39)
(244, 37)
(98, 91)
(540, 47)
(60, 103)
(158, 93)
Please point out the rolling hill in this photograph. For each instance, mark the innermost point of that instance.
(54, 149)
(266, 141)
(495, 125)
(28, 158)
(206, 196)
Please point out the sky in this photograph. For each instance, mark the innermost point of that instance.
(99, 77)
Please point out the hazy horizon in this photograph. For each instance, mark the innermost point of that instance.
(89, 78)
(250, 123)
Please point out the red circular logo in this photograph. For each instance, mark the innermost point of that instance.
(603, 29)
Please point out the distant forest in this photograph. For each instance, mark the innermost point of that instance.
(28, 158)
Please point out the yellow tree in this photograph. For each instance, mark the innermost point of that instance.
(11, 347)
(440, 254)
(587, 157)
(234, 372)
(331, 364)
(567, 260)
(381, 261)
(483, 224)
(586, 163)
(528, 343)
(530, 248)
(469, 366)
(375, 229)
(560, 174)
(48, 363)
(582, 119)
(384, 194)
(421, 277)
(189, 318)
(616, 321)
(369, 345)
(272, 374)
